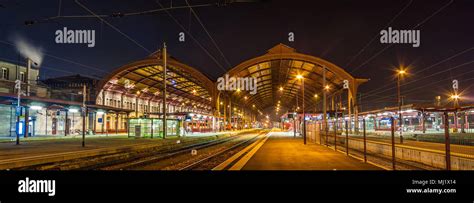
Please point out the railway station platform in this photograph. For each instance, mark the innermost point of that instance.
(281, 151)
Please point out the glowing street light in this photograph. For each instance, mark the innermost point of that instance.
(300, 77)
(400, 73)
(281, 88)
(455, 97)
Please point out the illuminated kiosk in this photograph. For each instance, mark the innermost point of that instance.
(138, 86)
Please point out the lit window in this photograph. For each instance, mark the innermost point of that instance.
(22, 77)
(5, 73)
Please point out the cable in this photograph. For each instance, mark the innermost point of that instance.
(449, 69)
(376, 35)
(419, 24)
(51, 68)
(113, 27)
(62, 59)
(442, 61)
(438, 81)
(118, 14)
(197, 42)
(209, 35)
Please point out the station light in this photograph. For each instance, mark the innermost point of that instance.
(299, 77)
(315, 95)
(73, 110)
(245, 97)
(36, 107)
(455, 96)
(401, 71)
(327, 87)
(281, 88)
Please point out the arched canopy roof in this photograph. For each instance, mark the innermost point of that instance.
(279, 67)
(185, 85)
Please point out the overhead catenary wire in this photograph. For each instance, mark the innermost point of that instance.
(426, 68)
(437, 73)
(51, 68)
(63, 59)
(439, 81)
(376, 35)
(119, 14)
(113, 27)
(192, 37)
(208, 34)
(416, 26)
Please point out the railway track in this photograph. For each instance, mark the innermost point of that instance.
(130, 159)
(208, 163)
(149, 160)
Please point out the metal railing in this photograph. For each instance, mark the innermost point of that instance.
(444, 151)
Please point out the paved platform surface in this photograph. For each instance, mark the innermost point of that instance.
(283, 152)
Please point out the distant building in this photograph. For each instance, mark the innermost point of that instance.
(10, 72)
(70, 87)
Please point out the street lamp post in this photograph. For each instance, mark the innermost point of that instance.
(83, 114)
(304, 116)
(164, 89)
(18, 111)
(399, 74)
(455, 97)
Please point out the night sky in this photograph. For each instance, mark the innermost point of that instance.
(336, 31)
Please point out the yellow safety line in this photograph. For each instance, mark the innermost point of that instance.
(241, 163)
(227, 162)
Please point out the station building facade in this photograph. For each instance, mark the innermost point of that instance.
(130, 96)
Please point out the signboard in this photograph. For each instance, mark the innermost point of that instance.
(99, 120)
(18, 111)
(187, 118)
(19, 128)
